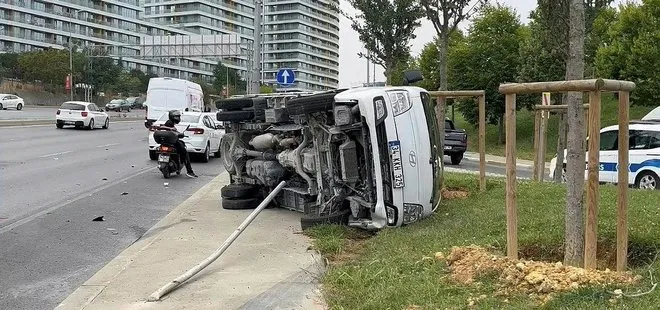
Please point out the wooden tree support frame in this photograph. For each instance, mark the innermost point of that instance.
(594, 87)
(540, 135)
(441, 97)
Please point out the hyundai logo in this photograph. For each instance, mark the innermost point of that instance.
(412, 159)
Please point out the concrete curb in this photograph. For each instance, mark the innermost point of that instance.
(88, 291)
(14, 123)
(502, 161)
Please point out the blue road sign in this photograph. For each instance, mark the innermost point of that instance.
(285, 77)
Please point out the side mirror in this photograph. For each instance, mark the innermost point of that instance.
(410, 77)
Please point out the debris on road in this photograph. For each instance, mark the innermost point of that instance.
(98, 219)
(539, 280)
(104, 179)
(166, 184)
(124, 193)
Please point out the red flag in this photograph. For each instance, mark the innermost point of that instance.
(67, 82)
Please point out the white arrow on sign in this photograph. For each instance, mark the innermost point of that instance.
(285, 75)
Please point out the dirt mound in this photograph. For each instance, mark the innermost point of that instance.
(454, 193)
(539, 280)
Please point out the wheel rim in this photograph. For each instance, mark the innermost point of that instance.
(20, 106)
(647, 182)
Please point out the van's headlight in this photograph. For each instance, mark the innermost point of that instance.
(400, 102)
(391, 215)
(379, 108)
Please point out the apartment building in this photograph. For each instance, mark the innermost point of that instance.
(302, 35)
(298, 34)
(26, 25)
(208, 17)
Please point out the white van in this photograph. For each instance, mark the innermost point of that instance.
(166, 94)
(644, 155)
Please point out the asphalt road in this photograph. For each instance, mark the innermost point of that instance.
(30, 113)
(53, 183)
(472, 166)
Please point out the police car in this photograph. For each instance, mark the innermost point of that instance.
(644, 155)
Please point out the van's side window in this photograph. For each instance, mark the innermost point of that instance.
(654, 142)
(609, 141)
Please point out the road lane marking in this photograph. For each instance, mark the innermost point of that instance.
(55, 154)
(81, 196)
(109, 144)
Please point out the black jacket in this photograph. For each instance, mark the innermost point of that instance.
(170, 124)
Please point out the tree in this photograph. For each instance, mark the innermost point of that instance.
(101, 71)
(429, 64)
(575, 158)
(385, 28)
(446, 15)
(631, 51)
(9, 67)
(266, 89)
(144, 78)
(488, 57)
(224, 76)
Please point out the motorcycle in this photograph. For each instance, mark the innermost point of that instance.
(169, 160)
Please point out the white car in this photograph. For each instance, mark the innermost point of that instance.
(81, 114)
(203, 135)
(11, 101)
(644, 155)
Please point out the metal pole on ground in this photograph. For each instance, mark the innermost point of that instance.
(188, 274)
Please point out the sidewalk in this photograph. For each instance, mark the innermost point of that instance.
(501, 160)
(269, 266)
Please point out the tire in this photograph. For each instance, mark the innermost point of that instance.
(19, 107)
(225, 147)
(166, 173)
(648, 180)
(240, 203)
(235, 116)
(153, 155)
(310, 104)
(338, 218)
(240, 103)
(206, 154)
(456, 159)
(218, 153)
(59, 125)
(234, 191)
(107, 123)
(91, 124)
(1, 107)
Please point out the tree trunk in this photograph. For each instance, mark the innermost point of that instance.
(561, 146)
(575, 158)
(443, 51)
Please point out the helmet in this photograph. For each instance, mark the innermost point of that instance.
(175, 116)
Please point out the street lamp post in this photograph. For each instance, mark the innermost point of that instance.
(72, 87)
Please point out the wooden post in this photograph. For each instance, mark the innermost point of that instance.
(537, 134)
(622, 199)
(440, 118)
(561, 146)
(482, 143)
(591, 227)
(511, 212)
(543, 130)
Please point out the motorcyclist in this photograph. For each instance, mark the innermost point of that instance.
(174, 117)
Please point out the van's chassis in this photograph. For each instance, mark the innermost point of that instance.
(295, 138)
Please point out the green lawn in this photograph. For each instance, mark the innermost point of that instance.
(525, 129)
(386, 271)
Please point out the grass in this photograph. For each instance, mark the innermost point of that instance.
(525, 129)
(386, 271)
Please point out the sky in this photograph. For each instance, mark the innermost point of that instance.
(353, 70)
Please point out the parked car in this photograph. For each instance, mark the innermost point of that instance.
(11, 101)
(455, 142)
(136, 102)
(643, 152)
(118, 105)
(654, 115)
(81, 114)
(203, 135)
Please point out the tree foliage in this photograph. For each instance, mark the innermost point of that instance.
(631, 50)
(487, 57)
(9, 67)
(223, 76)
(446, 15)
(385, 28)
(429, 64)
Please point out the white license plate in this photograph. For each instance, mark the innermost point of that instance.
(163, 158)
(447, 147)
(397, 164)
